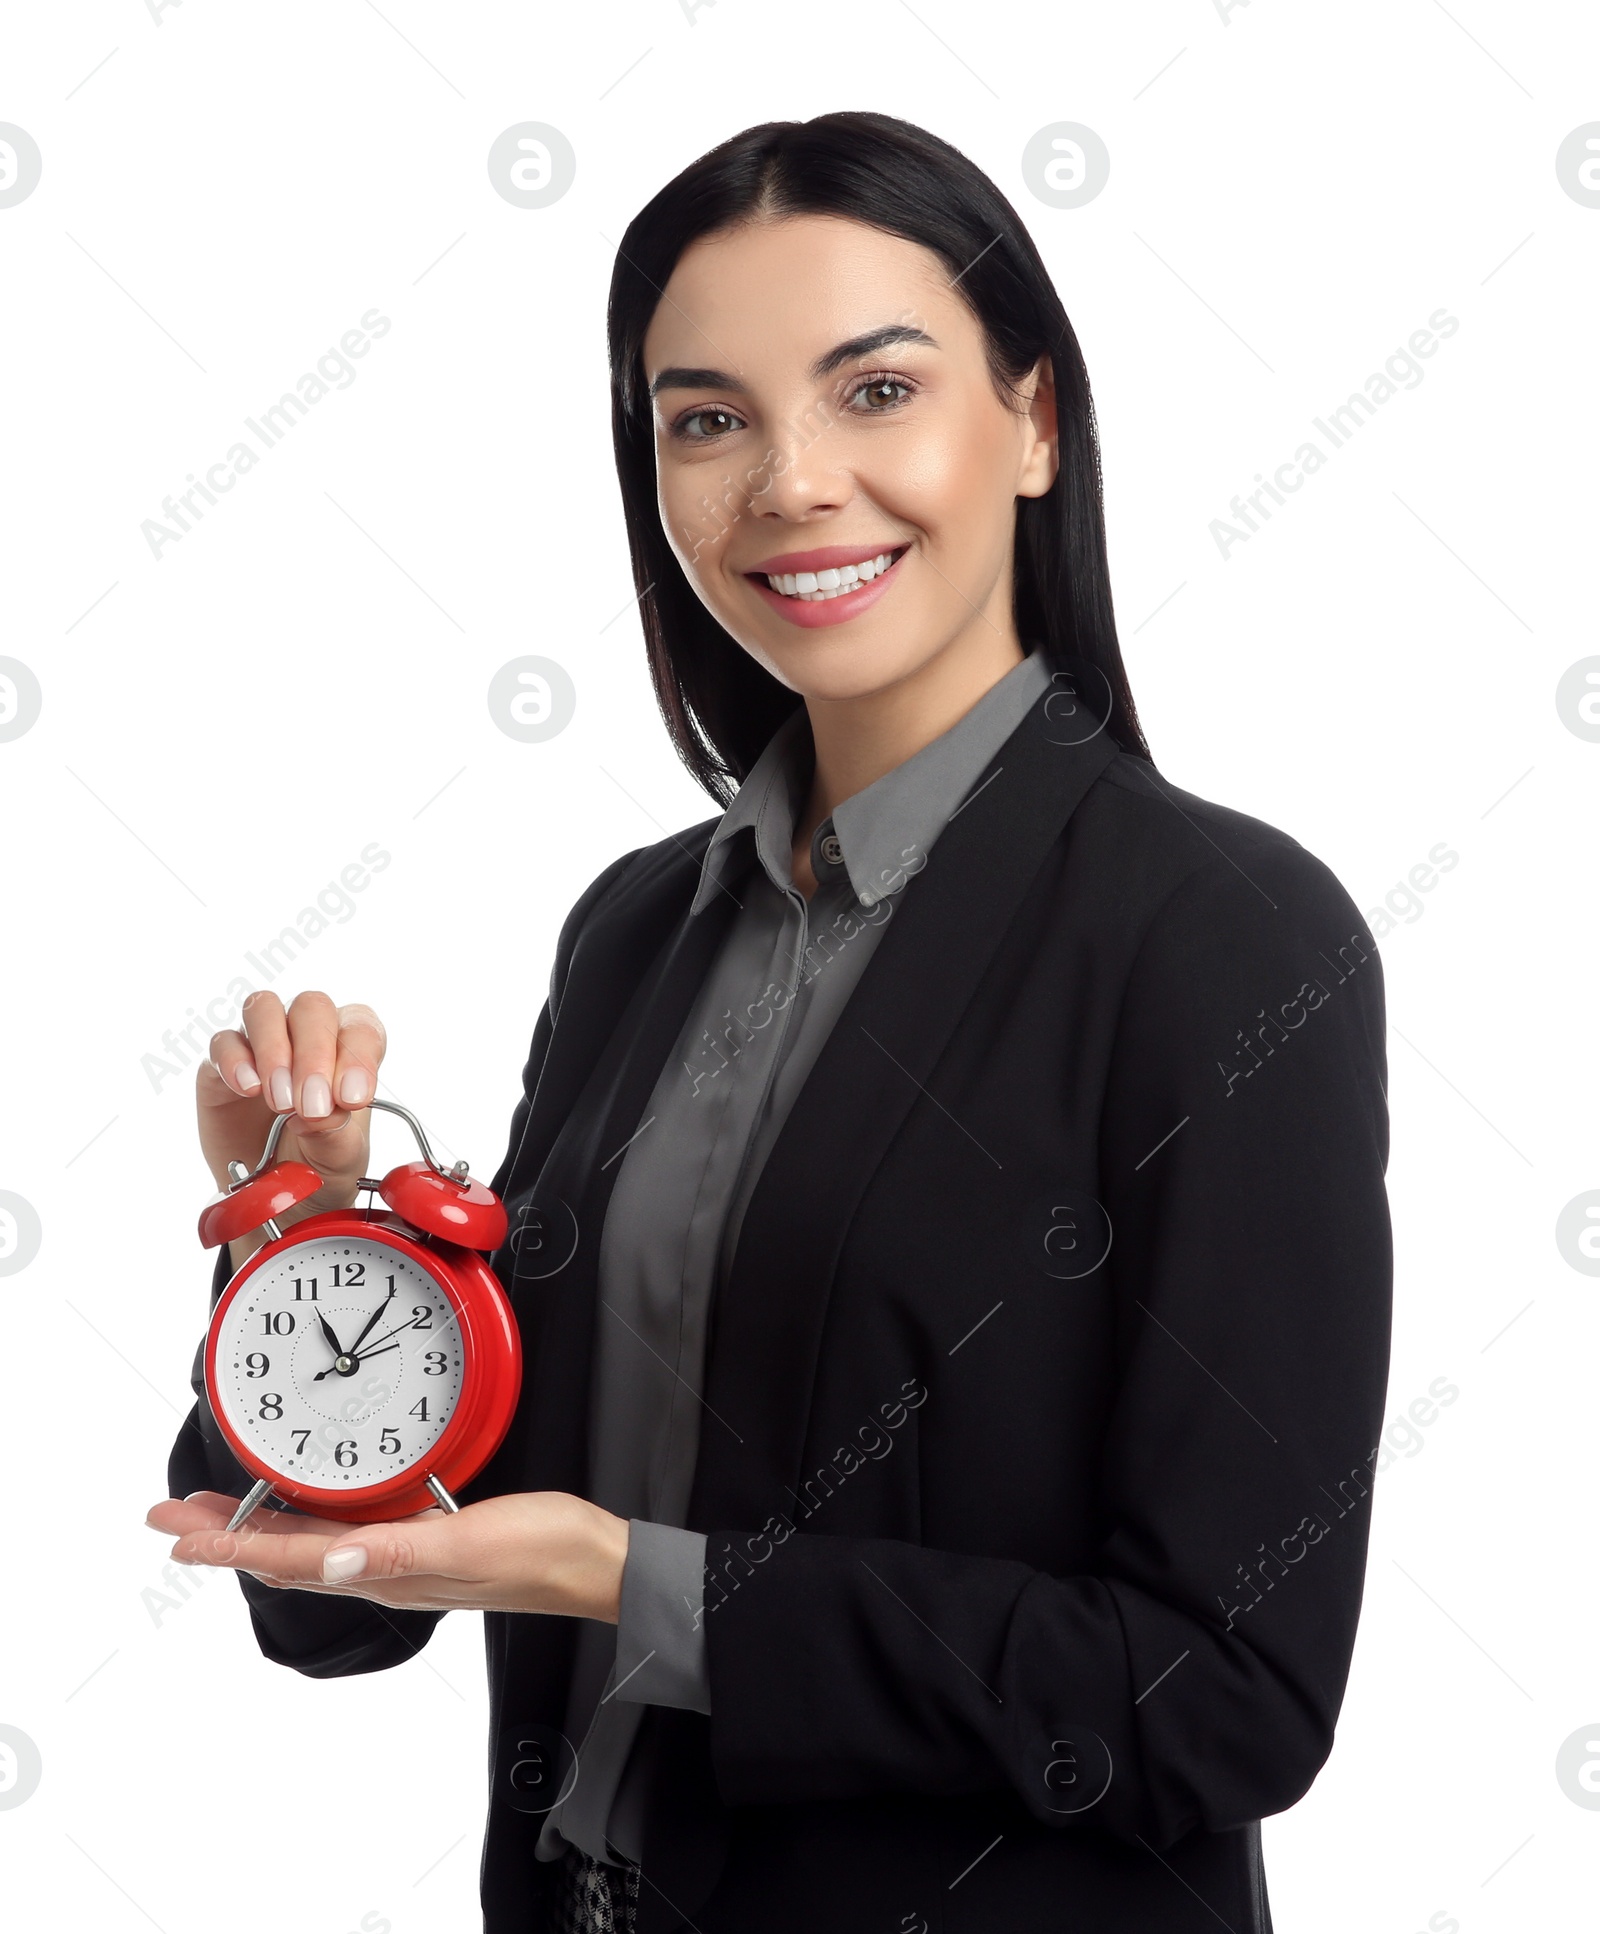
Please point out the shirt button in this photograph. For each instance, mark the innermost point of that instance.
(830, 849)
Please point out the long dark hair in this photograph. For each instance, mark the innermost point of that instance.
(720, 705)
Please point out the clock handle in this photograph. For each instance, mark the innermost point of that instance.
(457, 1174)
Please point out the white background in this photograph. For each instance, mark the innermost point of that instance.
(226, 189)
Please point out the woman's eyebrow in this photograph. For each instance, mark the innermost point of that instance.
(891, 335)
(694, 379)
(867, 344)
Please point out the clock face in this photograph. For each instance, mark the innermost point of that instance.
(339, 1362)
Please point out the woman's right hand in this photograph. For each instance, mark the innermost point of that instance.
(319, 1060)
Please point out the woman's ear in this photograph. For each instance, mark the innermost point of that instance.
(1041, 455)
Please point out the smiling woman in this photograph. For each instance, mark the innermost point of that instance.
(912, 475)
(890, 1092)
(803, 330)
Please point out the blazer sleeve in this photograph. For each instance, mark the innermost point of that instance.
(1194, 1676)
(317, 1633)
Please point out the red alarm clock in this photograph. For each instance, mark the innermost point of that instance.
(364, 1365)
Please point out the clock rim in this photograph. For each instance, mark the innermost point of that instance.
(491, 1370)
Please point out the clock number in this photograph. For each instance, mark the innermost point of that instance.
(419, 1410)
(299, 1288)
(354, 1275)
(385, 1448)
(305, 1438)
(422, 1316)
(339, 1453)
(256, 1364)
(278, 1322)
(433, 1363)
(271, 1406)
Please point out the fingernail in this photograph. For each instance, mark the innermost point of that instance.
(348, 1562)
(316, 1097)
(282, 1091)
(247, 1077)
(353, 1088)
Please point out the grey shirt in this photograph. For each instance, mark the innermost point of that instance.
(783, 974)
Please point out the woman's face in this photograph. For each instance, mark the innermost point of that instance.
(837, 473)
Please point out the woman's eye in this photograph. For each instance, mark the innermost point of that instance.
(700, 426)
(881, 393)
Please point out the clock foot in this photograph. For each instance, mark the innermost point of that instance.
(445, 1501)
(262, 1488)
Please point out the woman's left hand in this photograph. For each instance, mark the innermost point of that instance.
(536, 1551)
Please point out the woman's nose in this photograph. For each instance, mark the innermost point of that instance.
(803, 473)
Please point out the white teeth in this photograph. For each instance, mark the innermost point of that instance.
(816, 586)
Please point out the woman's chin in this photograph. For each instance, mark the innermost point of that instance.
(836, 669)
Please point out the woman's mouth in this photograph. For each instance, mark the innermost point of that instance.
(835, 588)
(818, 586)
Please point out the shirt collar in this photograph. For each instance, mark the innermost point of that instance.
(768, 804)
(888, 828)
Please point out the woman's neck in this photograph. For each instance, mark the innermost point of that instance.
(859, 739)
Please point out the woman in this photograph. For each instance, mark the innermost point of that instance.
(949, 1235)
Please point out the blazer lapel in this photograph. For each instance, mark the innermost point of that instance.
(615, 1029)
(883, 1051)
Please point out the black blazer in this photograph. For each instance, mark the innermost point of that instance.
(1034, 1567)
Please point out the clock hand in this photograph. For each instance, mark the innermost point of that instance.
(353, 1358)
(327, 1331)
(406, 1325)
(370, 1321)
(353, 1361)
